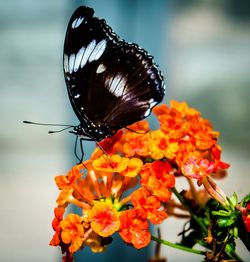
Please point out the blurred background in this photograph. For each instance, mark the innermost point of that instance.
(203, 50)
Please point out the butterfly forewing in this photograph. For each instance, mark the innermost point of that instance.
(110, 83)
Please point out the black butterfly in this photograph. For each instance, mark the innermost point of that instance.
(111, 83)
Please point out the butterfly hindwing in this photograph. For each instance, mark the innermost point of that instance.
(110, 82)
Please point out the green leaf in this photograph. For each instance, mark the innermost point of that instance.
(222, 213)
(233, 200)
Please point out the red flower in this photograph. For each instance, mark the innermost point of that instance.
(246, 217)
(108, 143)
(134, 229)
(58, 211)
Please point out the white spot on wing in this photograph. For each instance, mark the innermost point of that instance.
(77, 96)
(89, 49)
(147, 113)
(101, 68)
(151, 100)
(116, 85)
(71, 63)
(152, 103)
(78, 59)
(98, 50)
(76, 22)
(66, 63)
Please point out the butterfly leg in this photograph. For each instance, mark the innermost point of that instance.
(81, 147)
(75, 151)
(82, 151)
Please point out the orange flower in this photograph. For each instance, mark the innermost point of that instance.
(172, 124)
(134, 229)
(204, 141)
(184, 109)
(68, 196)
(140, 127)
(133, 168)
(161, 110)
(184, 126)
(127, 184)
(72, 232)
(65, 197)
(114, 163)
(160, 169)
(65, 182)
(136, 144)
(161, 146)
(185, 148)
(86, 191)
(104, 219)
(148, 205)
(156, 178)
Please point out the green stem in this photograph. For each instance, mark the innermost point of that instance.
(229, 250)
(170, 244)
(198, 221)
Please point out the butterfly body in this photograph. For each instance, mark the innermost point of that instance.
(111, 83)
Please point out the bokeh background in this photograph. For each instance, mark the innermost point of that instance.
(203, 50)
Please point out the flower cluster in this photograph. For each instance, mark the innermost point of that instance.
(127, 182)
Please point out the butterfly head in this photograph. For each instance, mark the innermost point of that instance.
(92, 131)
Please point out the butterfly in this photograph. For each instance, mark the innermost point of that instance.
(111, 83)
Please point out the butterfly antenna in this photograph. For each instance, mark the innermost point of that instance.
(45, 124)
(58, 131)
